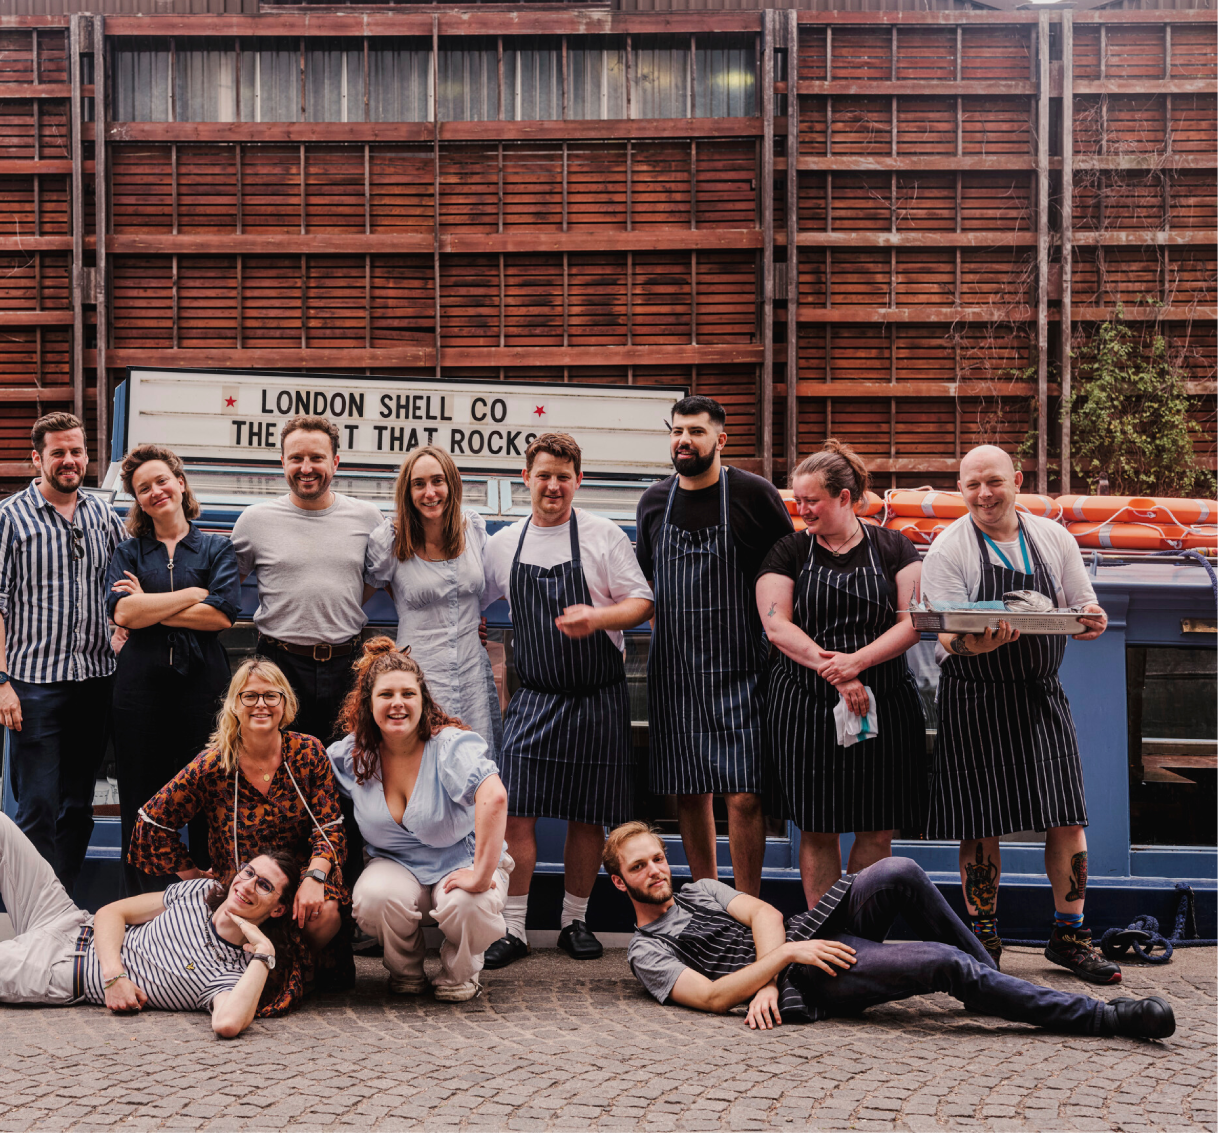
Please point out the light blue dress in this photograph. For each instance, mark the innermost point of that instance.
(436, 834)
(439, 606)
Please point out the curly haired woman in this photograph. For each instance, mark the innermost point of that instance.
(432, 810)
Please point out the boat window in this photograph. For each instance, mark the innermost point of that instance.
(1172, 698)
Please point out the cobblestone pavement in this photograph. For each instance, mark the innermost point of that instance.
(557, 1045)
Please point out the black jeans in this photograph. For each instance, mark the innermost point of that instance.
(949, 958)
(54, 763)
(321, 687)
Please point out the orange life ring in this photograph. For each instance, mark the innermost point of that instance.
(1141, 536)
(1159, 509)
(918, 529)
(950, 505)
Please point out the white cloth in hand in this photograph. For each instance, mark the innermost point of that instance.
(851, 728)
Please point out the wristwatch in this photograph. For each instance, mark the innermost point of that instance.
(3, 678)
(269, 961)
(315, 874)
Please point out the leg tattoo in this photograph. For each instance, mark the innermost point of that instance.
(1078, 877)
(981, 884)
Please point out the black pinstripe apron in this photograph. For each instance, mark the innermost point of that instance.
(878, 784)
(566, 734)
(706, 665)
(716, 945)
(1006, 758)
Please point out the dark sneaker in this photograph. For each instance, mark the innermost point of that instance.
(578, 942)
(992, 943)
(1072, 948)
(1150, 1018)
(506, 950)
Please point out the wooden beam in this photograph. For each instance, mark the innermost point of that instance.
(42, 90)
(1143, 86)
(916, 239)
(358, 132)
(1135, 238)
(37, 318)
(919, 88)
(904, 389)
(791, 447)
(26, 394)
(424, 356)
(912, 163)
(34, 243)
(77, 189)
(422, 243)
(765, 423)
(1066, 324)
(1042, 255)
(46, 167)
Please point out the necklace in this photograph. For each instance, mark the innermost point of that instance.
(841, 546)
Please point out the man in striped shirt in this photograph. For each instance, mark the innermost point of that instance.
(56, 662)
(711, 948)
(195, 947)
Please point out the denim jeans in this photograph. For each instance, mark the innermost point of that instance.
(949, 958)
(54, 762)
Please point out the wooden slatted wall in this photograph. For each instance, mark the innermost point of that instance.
(902, 287)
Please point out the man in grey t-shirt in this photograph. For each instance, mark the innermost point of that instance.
(308, 551)
(711, 947)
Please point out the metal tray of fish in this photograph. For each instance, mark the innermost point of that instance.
(977, 621)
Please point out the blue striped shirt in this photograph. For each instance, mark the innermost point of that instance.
(54, 605)
(177, 958)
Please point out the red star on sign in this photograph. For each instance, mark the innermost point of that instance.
(229, 402)
(540, 410)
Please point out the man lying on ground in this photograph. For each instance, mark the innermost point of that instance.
(195, 947)
(712, 948)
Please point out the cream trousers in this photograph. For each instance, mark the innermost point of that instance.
(392, 905)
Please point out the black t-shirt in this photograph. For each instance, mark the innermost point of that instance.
(756, 514)
(893, 550)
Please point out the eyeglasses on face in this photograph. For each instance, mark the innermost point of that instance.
(270, 699)
(246, 872)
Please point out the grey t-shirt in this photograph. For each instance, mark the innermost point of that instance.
(652, 957)
(310, 567)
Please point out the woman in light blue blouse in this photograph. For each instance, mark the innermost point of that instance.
(432, 810)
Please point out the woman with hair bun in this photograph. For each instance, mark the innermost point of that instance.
(432, 811)
(429, 556)
(831, 600)
(173, 588)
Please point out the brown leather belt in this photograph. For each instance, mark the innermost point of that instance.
(320, 652)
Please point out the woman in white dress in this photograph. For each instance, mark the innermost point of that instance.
(429, 557)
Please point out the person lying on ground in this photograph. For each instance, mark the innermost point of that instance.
(198, 946)
(711, 948)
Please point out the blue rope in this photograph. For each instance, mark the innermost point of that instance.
(1142, 936)
(1199, 557)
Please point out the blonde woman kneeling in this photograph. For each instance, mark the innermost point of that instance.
(432, 810)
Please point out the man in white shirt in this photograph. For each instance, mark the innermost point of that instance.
(574, 585)
(1006, 755)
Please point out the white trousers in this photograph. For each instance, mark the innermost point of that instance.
(36, 965)
(392, 905)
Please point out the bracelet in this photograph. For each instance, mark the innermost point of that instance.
(111, 982)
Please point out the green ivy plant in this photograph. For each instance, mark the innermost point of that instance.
(1129, 417)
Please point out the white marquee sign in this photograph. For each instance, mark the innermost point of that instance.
(238, 415)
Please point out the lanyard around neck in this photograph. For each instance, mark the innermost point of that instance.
(1023, 549)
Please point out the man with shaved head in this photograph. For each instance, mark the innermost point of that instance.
(1006, 756)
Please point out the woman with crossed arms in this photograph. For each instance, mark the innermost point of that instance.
(831, 599)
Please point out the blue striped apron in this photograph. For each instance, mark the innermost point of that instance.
(706, 665)
(1006, 756)
(879, 784)
(566, 734)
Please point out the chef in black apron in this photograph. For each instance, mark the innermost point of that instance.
(1006, 755)
(830, 598)
(566, 738)
(702, 535)
(711, 947)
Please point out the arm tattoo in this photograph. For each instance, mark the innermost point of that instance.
(1078, 877)
(770, 612)
(981, 884)
(960, 647)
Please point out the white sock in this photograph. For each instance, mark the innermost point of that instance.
(515, 910)
(573, 909)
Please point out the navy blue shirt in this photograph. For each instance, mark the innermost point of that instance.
(199, 559)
